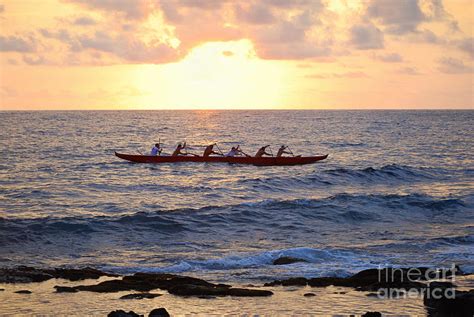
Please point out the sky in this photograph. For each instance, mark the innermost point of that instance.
(232, 54)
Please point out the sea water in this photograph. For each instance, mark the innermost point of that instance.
(396, 189)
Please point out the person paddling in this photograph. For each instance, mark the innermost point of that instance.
(178, 149)
(156, 150)
(210, 150)
(282, 151)
(235, 150)
(261, 152)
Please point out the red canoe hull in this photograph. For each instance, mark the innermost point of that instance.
(261, 161)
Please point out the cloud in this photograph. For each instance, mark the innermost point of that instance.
(254, 14)
(61, 34)
(366, 36)
(450, 65)
(34, 60)
(466, 45)
(128, 48)
(135, 10)
(16, 44)
(389, 58)
(84, 21)
(338, 75)
(397, 16)
(409, 71)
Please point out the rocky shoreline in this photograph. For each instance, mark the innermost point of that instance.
(439, 297)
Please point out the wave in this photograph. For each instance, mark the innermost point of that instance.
(391, 171)
(341, 176)
(302, 215)
(312, 258)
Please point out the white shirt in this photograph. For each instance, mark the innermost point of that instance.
(232, 153)
(155, 151)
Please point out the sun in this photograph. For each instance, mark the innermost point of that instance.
(214, 75)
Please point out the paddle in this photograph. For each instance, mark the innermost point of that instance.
(271, 152)
(217, 146)
(291, 152)
(159, 145)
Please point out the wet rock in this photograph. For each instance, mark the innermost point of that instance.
(78, 274)
(23, 274)
(159, 312)
(23, 291)
(309, 295)
(122, 313)
(140, 296)
(200, 290)
(65, 289)
(174, 284)
(295, 281)
(26, 274)
(367, 280)
(449, 302)
(287, 260)
(372, 314)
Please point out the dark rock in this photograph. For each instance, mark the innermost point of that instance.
(309, 295)
(78, 274)
(295, 281)
(287, 260)
(159, 312)
(23, 274)
(449, 302)
(122, 313)
(65, 289)
(23, 291)
(372, 314)
(174, 284)
(140, 296)
(201, 290)
(326, 281)
(26, 274)
(367, 280)
(2, 289)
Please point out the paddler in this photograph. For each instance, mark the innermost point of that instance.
(235, 150)
(156, 150)
(180, 147)
(261, 152)
(282, 151)
(210, 150)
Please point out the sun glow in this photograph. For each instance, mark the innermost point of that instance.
(215, 75)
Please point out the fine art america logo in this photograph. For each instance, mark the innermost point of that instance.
(416, 282)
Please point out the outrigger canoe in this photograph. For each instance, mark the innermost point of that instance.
(260, 161)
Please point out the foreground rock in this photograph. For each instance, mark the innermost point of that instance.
(449, 302)
(372, 314)
(26, 274)
(287, 260)
(174, 284)
(23, 291)
(370, 280)
(140, 296)
(122, 313)
(159, 312)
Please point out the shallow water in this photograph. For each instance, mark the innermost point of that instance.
(397, 189)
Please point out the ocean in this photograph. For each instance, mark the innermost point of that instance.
(397, 189)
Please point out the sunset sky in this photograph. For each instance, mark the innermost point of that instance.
(316, 54)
